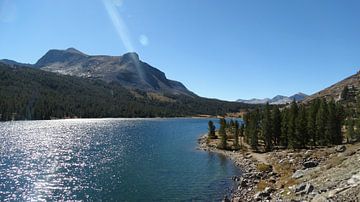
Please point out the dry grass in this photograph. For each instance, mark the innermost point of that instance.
(262, 167)
(335, 161)
(161, 98)
(262, 185)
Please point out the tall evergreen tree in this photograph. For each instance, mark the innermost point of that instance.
(350, 130)
(321, 121)
(242, 130)
(266, 128)
(301, 134)
(284, 138)
(331, 124)
(254, 129)
(276, 125)
(340, 115)
(247, 127)
(311, 124)
(293, 113)
(222, 133)
(236, 134)
(345, 93)
(211, 128)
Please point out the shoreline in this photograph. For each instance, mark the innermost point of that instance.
(316, 175)
(245, 185)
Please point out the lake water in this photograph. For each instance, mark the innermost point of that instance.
(110, 160)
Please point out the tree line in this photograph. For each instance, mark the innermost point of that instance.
(33, 94)
(318, 123)
(296, 126)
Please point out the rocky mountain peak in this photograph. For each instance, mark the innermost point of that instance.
(73, 50)
(127, 70)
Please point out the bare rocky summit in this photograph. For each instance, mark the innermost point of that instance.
(127, 70)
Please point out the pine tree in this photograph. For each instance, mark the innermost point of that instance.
(350, 130)
(293, 113)
(331, 124)
(311, 124)
(357, 132)
(321, 121)
(301, 134)
(211, 128)
(340, 115)
(266, 128)
(236, 134)
(276, 125)
(254, 129)
(247, 127)
(345, 93)
(284, 140)
(222, 133)
(242, 129)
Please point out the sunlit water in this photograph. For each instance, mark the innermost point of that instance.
(110, 160)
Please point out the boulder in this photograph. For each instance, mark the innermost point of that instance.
(304, 188)
(243, 182)
(310, 164)
(298, 174)
(354, 180)
(340, 148)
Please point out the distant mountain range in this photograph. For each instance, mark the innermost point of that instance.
(277, 100)
(127, 70)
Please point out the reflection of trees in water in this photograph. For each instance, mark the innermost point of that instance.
(223, 161)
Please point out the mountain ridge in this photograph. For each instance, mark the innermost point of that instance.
(277, 100)
(127, 70)
(334, 91)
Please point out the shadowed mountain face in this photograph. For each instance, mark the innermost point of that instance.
(127, 70)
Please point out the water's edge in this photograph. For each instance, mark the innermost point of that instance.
(241, 160)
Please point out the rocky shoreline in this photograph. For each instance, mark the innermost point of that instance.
(245, 185)
(318, 175)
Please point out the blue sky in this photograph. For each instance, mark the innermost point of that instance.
(220, 49)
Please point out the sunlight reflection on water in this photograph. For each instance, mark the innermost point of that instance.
(98, 159)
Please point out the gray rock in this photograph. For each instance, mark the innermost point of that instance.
(340, 148)
(268, 190)
(259, 196)
(236, 178)
(298, 174)
(226, 199)
(319, 198)
(310, 164)
(272, 179)
(304, 188)
(243, 183)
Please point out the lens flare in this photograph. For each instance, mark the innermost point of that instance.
(123, 33)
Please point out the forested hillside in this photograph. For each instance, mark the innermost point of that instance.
(32, 94)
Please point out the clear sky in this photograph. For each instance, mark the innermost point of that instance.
(220, 49)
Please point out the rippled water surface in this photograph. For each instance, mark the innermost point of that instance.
(110, 160)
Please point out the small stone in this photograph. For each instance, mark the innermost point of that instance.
(340, 148)
(319, 198)
(304, 188)
(298, 174)
(272, 180)
(226, 199)
(310, 164)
